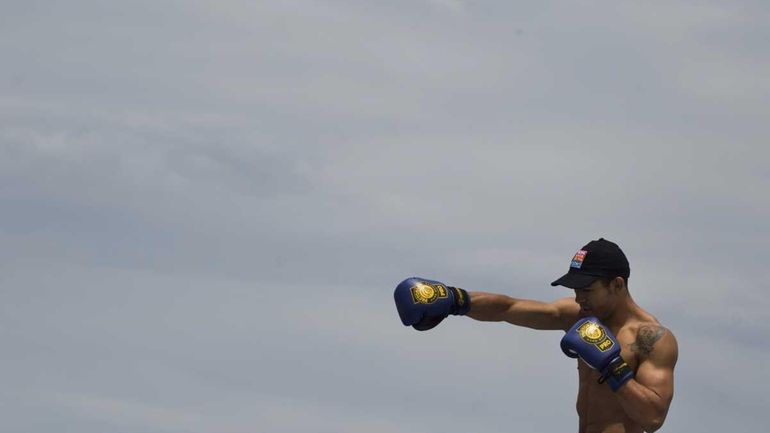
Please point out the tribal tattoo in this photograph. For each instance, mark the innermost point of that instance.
(646, 339)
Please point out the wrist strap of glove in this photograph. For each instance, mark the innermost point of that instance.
(462, 302)
(617, 373)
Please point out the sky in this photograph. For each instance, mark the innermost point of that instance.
(206, 206)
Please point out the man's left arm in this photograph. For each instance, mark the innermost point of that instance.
(647, 397)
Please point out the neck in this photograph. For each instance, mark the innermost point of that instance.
(625, 309)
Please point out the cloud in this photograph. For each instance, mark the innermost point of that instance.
(455, 6)
(216, 199)
(263, 412)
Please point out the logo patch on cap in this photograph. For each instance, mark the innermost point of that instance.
(577, 261)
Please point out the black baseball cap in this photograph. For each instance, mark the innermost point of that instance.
(597, 259)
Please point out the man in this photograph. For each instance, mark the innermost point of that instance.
(625, 357)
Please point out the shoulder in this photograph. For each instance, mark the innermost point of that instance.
(655, 342)
(656, 350)
(567, 311)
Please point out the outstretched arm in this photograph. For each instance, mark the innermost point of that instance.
(492, 307)
(647, 397)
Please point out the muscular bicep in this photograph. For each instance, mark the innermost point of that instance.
(658, 351)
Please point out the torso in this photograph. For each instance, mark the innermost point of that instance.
(597, 407)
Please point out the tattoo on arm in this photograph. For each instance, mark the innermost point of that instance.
(646, 339)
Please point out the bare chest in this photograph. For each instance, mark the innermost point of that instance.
(597, 405)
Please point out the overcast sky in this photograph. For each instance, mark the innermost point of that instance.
(205, 207)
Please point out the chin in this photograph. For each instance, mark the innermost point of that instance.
(592, 313)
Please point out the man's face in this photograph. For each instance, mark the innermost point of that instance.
(596, 300)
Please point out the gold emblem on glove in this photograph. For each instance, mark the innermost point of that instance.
(423, 293)
(595, 334)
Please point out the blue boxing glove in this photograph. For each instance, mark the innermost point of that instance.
(423, 304)
(590, 340)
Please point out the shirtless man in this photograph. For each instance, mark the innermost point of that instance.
(625, 357)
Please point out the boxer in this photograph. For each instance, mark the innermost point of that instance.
(625, 357)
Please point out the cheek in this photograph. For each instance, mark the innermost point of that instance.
(598, 300)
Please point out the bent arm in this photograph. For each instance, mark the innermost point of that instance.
(492, 307)
(647, 397)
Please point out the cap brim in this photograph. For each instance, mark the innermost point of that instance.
(576, 280)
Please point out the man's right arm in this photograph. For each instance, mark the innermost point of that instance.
(491, 307)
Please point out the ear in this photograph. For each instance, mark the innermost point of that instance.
(617, 284)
